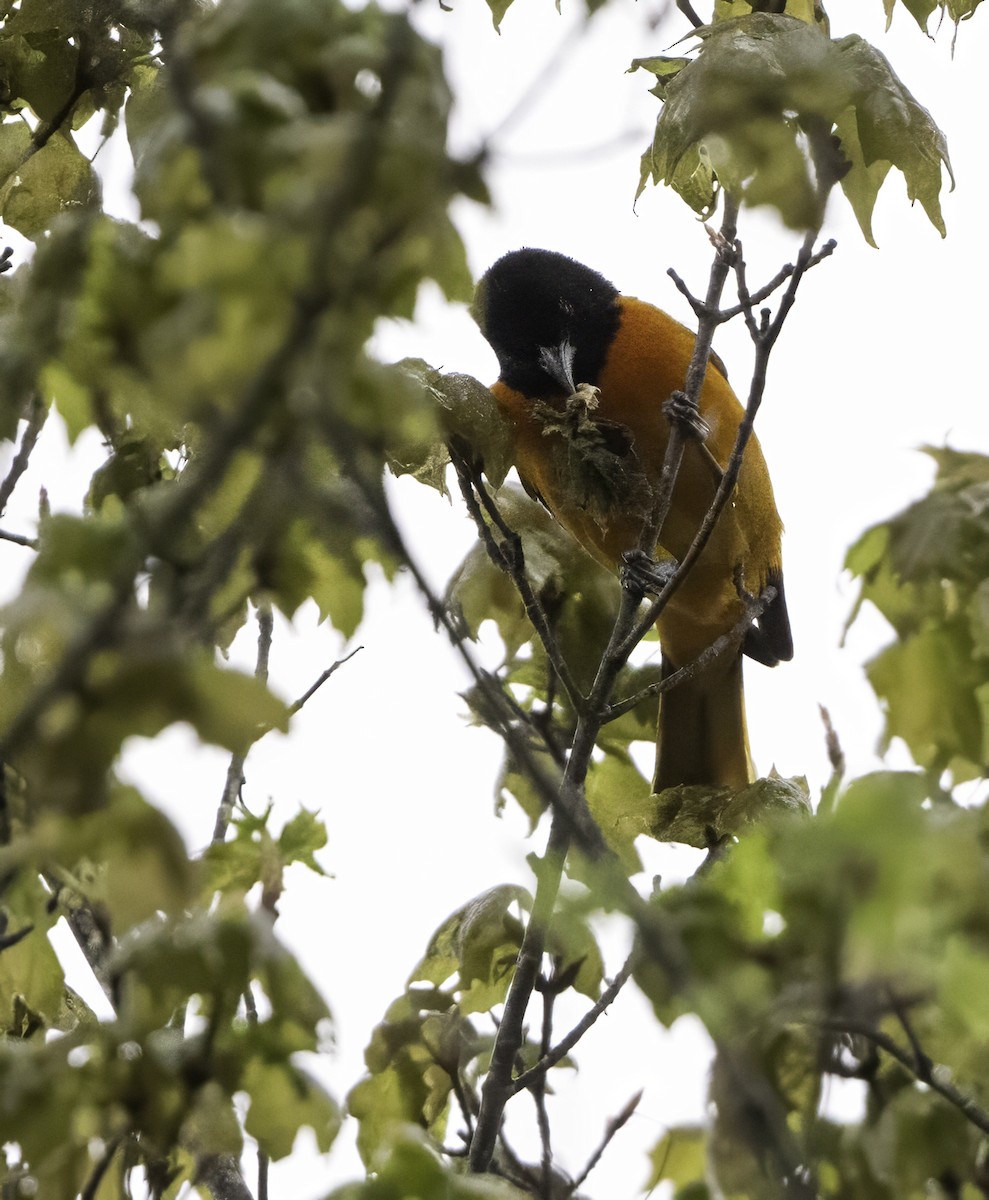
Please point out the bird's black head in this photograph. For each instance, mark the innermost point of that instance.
(549, 319)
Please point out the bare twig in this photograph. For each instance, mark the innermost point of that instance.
(37, 413)
(539, 1094)
(100, 1170)
(688, 11)
(18, 539)
(251, 1008)
(836, 756)
(551, 1057)
(923, 1065)
(90, 928)
(764, 336)
(723, 315)
(235, 771)
(509, 556)
(311, 691)
(754, 607)
(922, 1069)
(617, 1122)
(676, 444)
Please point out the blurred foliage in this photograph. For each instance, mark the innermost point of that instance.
(872, 918)
(293, 181)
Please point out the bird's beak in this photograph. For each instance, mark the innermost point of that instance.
(557, 362)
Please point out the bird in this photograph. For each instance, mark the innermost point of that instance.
(559, 330)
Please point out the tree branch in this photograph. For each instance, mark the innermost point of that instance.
(627, 632)
(921, 1067)
(18, 539)
(616, 1123)
(222, 1175)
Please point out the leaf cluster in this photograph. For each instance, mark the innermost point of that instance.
(428, 1054)
(773, 110)
(927, 571)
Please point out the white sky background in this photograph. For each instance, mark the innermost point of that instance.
(881, 354)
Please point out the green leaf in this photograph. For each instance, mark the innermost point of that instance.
(253, 855)
(765, 85)
(498, 10)
(576, 952)
(700, 816)
(32, 984)
(211, 1125)
(926, 571)
(285, 1099)
(469, 416)
(862, 181)
(894, 128)
(405, 1165)
(917, 1138)
(479, 943)
(300, 838)
(678, 1157)
(128, 859)
(413, 1057)
(621, 802)
(52, 180)
(928, 685)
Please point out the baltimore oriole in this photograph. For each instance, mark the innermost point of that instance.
(554, 323)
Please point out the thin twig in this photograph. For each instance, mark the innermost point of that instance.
(724, 315)
(688, 11)
(235, 771)
(567, 1043)
(764, 336)
(754, 607)
(924, 1071)
(509, 556)
(539, 1093)
(617, 1122)
(676, 444)
(18, 539)
(100, 1170)
(923, 1064)
(37, 414)
(251, 1008)
(311, 691)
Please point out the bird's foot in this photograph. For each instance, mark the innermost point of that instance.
(643, 574)
(683, 415)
